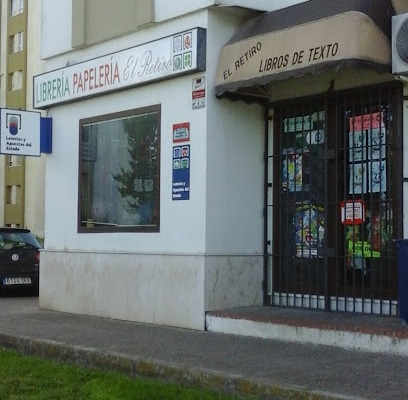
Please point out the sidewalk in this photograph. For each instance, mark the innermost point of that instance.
(233, 363)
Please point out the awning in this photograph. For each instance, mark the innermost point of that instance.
(307, 38)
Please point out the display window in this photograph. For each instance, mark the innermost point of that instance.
(335, 208)
(119, 185)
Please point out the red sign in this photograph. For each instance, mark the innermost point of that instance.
(352, 212)
(366, 122)
(181, 132)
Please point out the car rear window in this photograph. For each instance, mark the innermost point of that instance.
(17, 239)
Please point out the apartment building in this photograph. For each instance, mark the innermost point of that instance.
(23, 178)
(213, 155)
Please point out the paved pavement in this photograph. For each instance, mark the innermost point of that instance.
(236, 364)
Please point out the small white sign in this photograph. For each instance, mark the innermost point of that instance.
(198, 93)
(20, 132)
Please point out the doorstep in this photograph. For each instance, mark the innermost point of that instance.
(353, 331)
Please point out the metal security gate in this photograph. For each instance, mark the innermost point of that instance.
(334, 171)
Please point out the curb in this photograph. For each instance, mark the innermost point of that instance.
(374, 341)
(135, 367)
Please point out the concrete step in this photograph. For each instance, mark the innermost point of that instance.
(353, 331)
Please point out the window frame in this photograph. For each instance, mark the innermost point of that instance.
(109, 117)
(16, 8)
(16, 80)
(13, 8)
(20, 42)
(16, 43)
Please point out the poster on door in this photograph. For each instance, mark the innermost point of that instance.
(358, 178)
(292, 171)
(378, 174)
(367, 153)
(357, 146)
(309, 230)
(376, 143)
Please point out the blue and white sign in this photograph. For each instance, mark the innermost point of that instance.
(24, 133)
(181, 172)
(20, 132)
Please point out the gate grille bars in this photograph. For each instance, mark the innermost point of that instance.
(333, 200)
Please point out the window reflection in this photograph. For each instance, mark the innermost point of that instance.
(119, 171)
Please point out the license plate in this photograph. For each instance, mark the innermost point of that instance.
(16, 281)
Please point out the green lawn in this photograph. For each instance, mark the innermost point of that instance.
(31, 378)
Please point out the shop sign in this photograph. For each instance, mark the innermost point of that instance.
(181, 172)
(361, 248)
(269, 53)
(167, 57)
(181, 132)
(352, 212)
(24, 133)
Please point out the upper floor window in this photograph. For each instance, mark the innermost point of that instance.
(16, 80)
(16, 7)
(17, 42)
(14, 161)
(119, 178)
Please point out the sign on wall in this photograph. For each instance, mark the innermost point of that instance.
(198, 93)
(181, 172)
(179, 54)
(20, 132)
(181, 132)
(181, 161)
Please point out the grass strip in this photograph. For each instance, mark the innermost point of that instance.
(25, 377)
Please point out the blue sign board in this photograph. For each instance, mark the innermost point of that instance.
(181, 172)
(24, 133)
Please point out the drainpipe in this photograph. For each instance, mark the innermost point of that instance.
(267, 185)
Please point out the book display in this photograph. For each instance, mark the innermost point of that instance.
(367, 236)
(302, 182)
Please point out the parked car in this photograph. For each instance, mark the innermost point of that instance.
(19, 261)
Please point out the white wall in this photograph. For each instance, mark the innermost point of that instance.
(157, 289)
(226, 163)
(146, 277)
(56, 22)
(208, 253)
(181, 227)
(235, 140)
(180, 7)
(262, 5)
(56, 25)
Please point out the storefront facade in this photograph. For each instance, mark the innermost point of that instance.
(165, 200)
(334, 129)
(147, 190)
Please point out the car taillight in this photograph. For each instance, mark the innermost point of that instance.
(37, 257)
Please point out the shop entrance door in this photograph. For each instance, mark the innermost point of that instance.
(334, 179)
